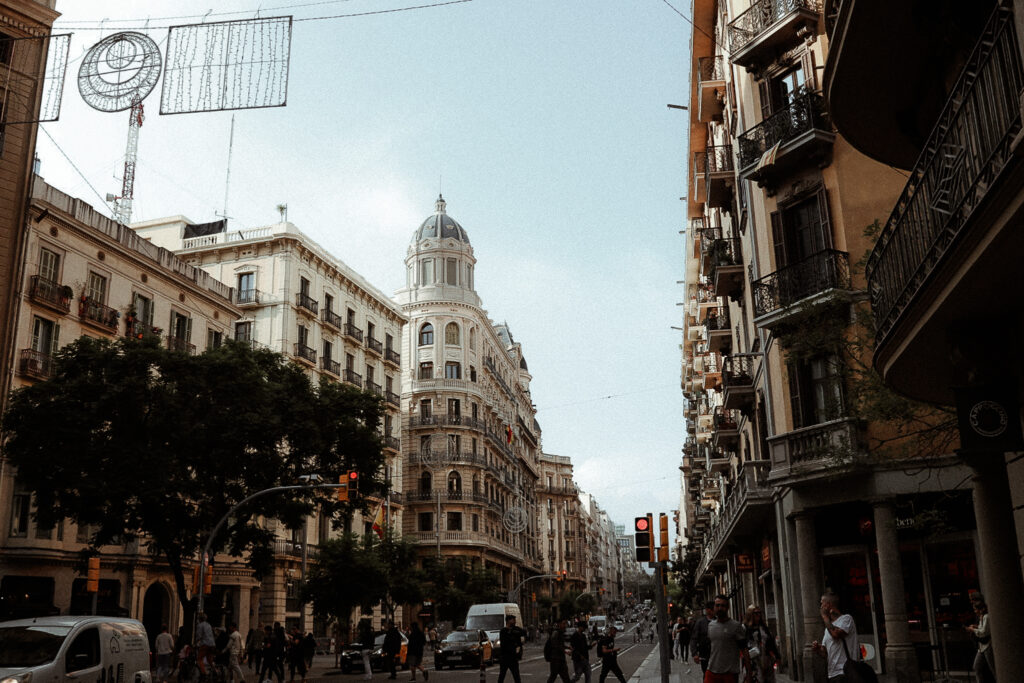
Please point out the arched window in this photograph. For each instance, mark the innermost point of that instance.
(425, 482)
(426, 334)
(451, 334)
(472, 338)
(454, 482)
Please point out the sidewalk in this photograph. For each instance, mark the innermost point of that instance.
(680, 672)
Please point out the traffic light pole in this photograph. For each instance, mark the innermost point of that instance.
(661, 605)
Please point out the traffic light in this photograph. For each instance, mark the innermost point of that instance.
(208, 580)
(642, 538)
(92, 582)
(663, 545)
(343, 488)
(564, 573)
(353, 483)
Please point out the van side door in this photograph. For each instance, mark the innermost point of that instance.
(82, 659)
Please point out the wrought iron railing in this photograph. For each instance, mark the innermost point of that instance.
(968, 147)
(761, 16)
(180, 345)
(391, 397)
(828, 269)
(725, 419)
(93, 311)
(805, 113)
(711, 68)
(750, 485)
(725, 252)
(353, 377)
(49, 292)
(374, 345)
(392, 442)
(305, 352)
(352, 331)
(36, 364)
(738, 370)
(307, 302)
(331, 366)
(247, 296)
(717, 319)
(392, 356)
(374, 388)
(332, 319)
(714, 159)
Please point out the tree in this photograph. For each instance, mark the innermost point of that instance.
(402, 580)
(137, 441)
(346, 575)
(454, 588)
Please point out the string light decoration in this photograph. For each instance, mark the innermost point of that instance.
(119, 71)
(227, 65)
(21, 78)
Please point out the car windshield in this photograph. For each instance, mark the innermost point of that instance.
(485, 622)
(461, 637)
(30, 645)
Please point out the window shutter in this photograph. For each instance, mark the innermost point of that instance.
(778, 240)
(55, 339)
(764, 90)
(824, 221)
(188, 329)
(795, 400)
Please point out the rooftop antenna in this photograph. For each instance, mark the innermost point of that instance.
(283, 210)
(227, 176)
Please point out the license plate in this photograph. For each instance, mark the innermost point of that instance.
(455, 658)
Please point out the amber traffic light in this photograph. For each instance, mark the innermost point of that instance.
(92, 581)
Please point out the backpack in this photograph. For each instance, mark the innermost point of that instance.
(857, 671)
(549, 650)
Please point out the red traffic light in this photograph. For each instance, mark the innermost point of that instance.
(641, 524)
(353, 475)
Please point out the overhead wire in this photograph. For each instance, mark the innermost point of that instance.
(75, 166)
(687, 19)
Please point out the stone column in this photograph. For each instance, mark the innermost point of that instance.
(809, 573)
(1000, 563)
(900, 658)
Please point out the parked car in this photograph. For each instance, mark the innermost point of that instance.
(619, 626)
(352, 657)
(464, 647)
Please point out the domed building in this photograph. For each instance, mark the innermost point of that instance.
(472, 442)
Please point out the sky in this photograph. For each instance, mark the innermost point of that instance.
(544, 124)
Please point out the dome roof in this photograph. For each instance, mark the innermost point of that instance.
(440, 226)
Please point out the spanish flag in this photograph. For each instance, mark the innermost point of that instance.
(378, 521)
(508, 434)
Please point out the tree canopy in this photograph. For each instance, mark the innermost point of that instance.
(138, 441)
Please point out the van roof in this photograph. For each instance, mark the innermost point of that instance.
(69, 621)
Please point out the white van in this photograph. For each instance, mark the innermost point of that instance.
(108, 649)
(600, 621)
(490, 617)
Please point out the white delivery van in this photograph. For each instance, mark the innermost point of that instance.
(600, 621)
(107, 649)
(490, 617)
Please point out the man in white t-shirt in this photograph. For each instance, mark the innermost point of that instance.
(840, 638)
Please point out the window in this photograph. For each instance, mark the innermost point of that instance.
(21, 507)
(328, 303)
(49, 265)
(454, 521)
(472, 338)
(369, 374)
(84, 652)
(426, 334)
(425, 521)
(779, 92)
(370, 329)
(551, 505)
(476, 522)
(327, 349)
(143, 307)
(181, 326)
(246, 288)
(350, 316)
(45, 335)
(815, 391)
(214, 338)
(454, 410)
(454, 483)
(474, 410)
(389, 384)
(454, 444)
(472, 373)
(96, 288)
(452, 370)
(427, 271)
(350, 362)
(426, 482)
(451, 271)
(243, 331)
(304, 287)
(801, 230)
(389, 342)
(425, 409)
(426, 370)
(303, 333)
(451, 334)
(424, 445)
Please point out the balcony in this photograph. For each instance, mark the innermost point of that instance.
(374, 346)
(392, 357)
(819, 279)
(711, 87)
(713, 178)
(97, 315)
(726, 426)
(769, 28)
(180, 345)
(374, 388)
(353, 378)
(392, 398)
(306, 303)
(743, 513)
(796, 136)
(248, 297)
(306, 353)
(50, 294)
(392, 443)
(295, 549)
(725, 259)
(738, 381)
(815, 451)
(717, 331)
(332, 319)
(947, 261)
(35, 364)
(329, 366)
(716, 460)
(353, 332)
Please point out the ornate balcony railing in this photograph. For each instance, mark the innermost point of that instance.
(392, 442)
(352, 331)
(307, 302)
(738, 370)
(711, 68)
(305, 352)
(717, 319)
(391, 397)
(760, 17)
(828, 269)
(180, 345)
(392, 356)
(374, 345)
(331, 366)
(805, 113)
(374, 388)
(35, 364)
(725, 252)
(244, 297)
(98, 314)
(750, 486)
(353, 377)
(51, 294)
(725, 419)
(968, 147)
(332, 319)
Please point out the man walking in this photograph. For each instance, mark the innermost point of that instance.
(701, 644)
(205, 643)
(839, 640)
(234, 651)
(164, 653)
(609, 656)
(554, 652)
(580, 653)
(254, 648)
(728, 646)
(391, 648)
(510, 646)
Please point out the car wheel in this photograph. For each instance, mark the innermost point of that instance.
(345, 669)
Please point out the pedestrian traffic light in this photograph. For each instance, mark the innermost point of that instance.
(92, 582)
(342, 488)
(208, 581)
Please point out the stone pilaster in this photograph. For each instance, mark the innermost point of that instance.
(809, 572)
(900, 658)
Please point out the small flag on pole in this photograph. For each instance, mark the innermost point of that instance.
(378, 521)
(508, 434)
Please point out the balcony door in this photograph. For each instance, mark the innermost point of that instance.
(801, 229)
(45, 334)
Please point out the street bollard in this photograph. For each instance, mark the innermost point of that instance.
(483, 669)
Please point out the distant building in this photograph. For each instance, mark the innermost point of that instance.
(562, 532)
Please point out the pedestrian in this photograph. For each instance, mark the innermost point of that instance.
(684, 640)
(609, 656)
(164, 654)
(761, 646)
(510, 649)
(296, 656)
(840, 638)
(701, 644)
(414, 651)
(432, 633)
(391, 648)
(273, 653)
(205, 643)
(728, 646)
(254, 648)
(580, 653)
(234, 650)
(674, 638)
(554, 652)
(984, 661)
(309, 649)
(366, 647)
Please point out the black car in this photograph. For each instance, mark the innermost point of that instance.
(352, 656)
(464, 647)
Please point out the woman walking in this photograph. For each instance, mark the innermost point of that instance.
(761, 646)
(414, 651)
